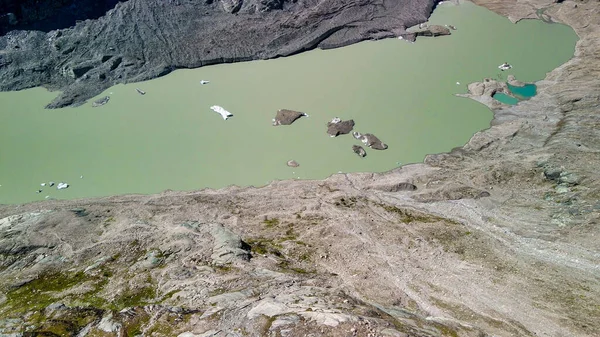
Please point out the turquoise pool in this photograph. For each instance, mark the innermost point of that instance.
(505, 98)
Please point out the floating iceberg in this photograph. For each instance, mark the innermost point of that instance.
(62, 186)
(504, 66)
(224, 113)
(204, 82)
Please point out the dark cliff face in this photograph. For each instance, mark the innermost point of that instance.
(47, 15)
(142, 39)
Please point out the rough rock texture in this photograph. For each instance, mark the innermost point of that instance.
(373, 142)
(429, 31)
(287, 117)
(142, 39)
(499, 238)
(337, 128)
(359, 150)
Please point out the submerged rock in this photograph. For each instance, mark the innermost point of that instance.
(339, 127)
(101, 101)
(287, 117)
(359, 151)
(429, 31)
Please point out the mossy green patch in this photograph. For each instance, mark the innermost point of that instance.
(135, 325)
(37, 294)
(408, 216)
(271, 222)
(134, 297)
(264, 246)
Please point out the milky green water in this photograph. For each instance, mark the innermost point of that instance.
(505, 98)
(170, 139)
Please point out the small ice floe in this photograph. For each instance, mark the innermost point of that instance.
(62, 186)
(38, 191)
(504, 66)
(46, 197)
(80, 177)
(335, 120)
(140, 91)
(457, 83)
(203, 82)
(51, 183)
(400, 37)
(357, 135)
(43, 184)
(224, 113)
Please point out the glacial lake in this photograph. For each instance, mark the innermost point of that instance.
(170, 139)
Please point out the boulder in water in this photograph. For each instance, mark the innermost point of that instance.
(359, 150)
(287, 117)
(373, 142)
(339, 127)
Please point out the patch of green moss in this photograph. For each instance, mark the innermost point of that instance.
(223, 268)
(408, 216)
(134, 326)
(264, 246)
(287, 267)
(134, 297)
(271, 222)
(267, 325)
(37, 294)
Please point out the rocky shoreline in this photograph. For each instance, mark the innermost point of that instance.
(139, 40)
(496, 238)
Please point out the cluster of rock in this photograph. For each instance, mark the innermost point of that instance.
(338, 127)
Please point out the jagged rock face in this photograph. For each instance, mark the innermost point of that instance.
(340, 128)
(231, 6)
(142, 39)
(47, 15)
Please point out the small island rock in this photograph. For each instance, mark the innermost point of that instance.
(373, 142)
(338, 127)
(287, 117)
(359, 150)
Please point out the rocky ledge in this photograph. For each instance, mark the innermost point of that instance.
(143, 39)
(497, 238)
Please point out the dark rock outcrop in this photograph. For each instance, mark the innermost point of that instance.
(373, 142)
(339, 127)
(142, 39)
(359, 151)
(287, 117)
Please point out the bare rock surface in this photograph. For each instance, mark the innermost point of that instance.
(287, 117)
(339, 127)
(359, 150)
(499, 238)
(137, 40)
